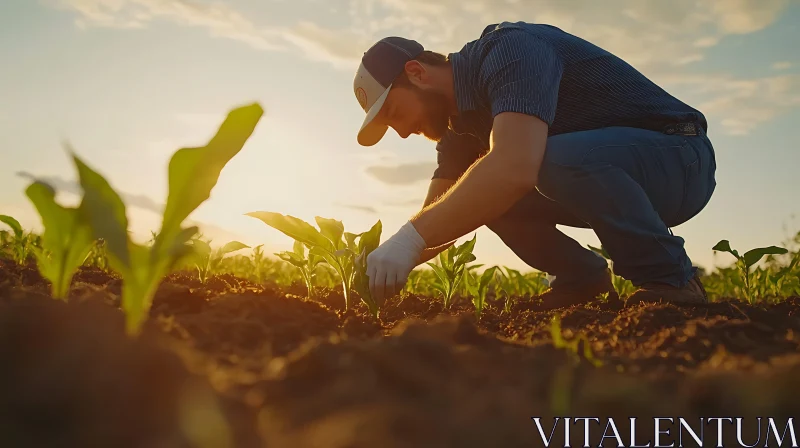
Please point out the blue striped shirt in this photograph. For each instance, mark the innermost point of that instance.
(569, 83)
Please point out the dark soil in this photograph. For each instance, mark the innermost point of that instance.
(232, 363)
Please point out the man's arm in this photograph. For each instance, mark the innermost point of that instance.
(521, 75)
(492, 185)
(436, 190)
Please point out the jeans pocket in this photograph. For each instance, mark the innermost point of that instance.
(696, 188)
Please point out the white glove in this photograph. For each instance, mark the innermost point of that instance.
(390, 263)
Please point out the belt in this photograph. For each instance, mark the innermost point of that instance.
(689, 128)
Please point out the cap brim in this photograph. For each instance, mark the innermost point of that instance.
(370, 132)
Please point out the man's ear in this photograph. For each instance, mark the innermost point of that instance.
(416, 72)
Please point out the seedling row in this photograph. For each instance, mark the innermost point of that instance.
(95, 233)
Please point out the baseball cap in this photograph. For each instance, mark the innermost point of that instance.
(379, 67)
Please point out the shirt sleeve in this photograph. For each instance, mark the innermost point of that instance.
(521, 73)
(455, 154)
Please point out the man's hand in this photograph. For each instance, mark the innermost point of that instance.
(390, 263)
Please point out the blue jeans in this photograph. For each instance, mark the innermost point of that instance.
(629, 186)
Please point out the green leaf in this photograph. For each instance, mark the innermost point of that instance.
(331, 229)
(725, 246)
(104, 211)
(344, 253)
(193, 172)
(66, 240)
(294, 228)
(328, 256)
(465, 258)
(367, 242)
(370, 240)
(751, 257)
(13, 223)
(440, 273)
(292, 258)
(298, 247)
(486, 277)
(468, 246)
(447, 258)
(233, 246)
(350, 238)
(201, 248)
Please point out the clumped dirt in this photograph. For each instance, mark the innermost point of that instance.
(233, 363)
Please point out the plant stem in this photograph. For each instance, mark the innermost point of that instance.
(346, 294)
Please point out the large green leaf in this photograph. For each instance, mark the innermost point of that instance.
(294, 228)
(725, 246)
(331, 229)
(193, 172)
(233, 246)
(13, 223)
(104, 211)
(751, 257)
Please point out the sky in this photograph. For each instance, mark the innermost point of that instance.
(128, 82)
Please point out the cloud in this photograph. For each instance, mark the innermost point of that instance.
(647, 33)
(361, 208)
(68, 186)
(405, 174)
(342, 48)
(782, 65)
(661, 39)
(220, 19)
(740, 104)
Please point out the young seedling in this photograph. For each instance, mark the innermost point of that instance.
(450, 270)
(65, 242)
(307, 265)
(20, 242)
(746, 261)
(337, 247)
(193, 173)
(505, 287)
(478, 286)
(578, 346)
(208, 261)
(98, 255)
(623, 287)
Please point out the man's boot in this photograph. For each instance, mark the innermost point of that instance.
(562, 296)
(692, 292)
